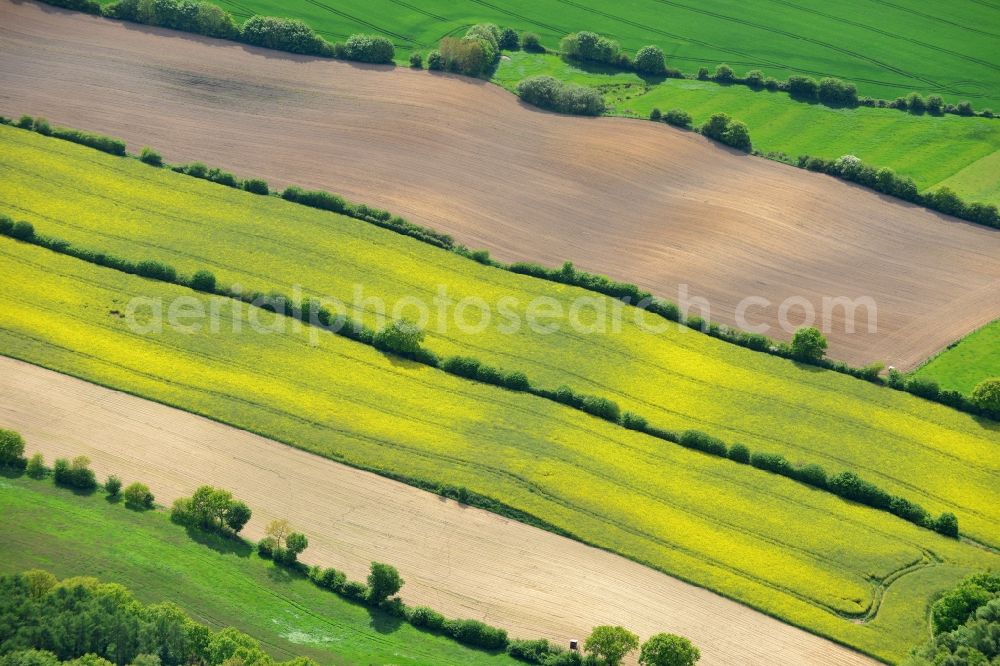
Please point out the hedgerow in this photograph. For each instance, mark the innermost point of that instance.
(550, 93)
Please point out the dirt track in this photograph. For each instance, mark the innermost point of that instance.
(461, 561)
(631, 199)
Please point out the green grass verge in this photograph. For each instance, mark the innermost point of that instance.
(762, 539)
(887, 49)
(214, 580)
(961, 153)
(969, 361)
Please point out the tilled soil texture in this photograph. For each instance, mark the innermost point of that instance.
(642, 202)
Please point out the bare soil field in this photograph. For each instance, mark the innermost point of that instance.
(462, 561)
(638, 201)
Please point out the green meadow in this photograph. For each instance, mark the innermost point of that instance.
(218, 582)
(887, 49)
(966, 363)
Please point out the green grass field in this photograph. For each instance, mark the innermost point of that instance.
(215, 581)
(961, 153)
(762, 539)
(888, 49)
(971, 360)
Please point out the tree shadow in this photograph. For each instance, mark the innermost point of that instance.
(382, 622)
(219, 543)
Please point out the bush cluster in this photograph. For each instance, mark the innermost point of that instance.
(88, 6)
(591, 47)
(472, 368)
(965, 625)
(284, 34)
(11, 449)
(369, 48)
(547, 92)
(730, 132)
(212, 509)
(75, 473)
(202, 18)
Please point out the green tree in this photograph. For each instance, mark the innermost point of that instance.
(808, 344)
(11, 447)
(383, 582)
(650, 60)
(737, 135)
(237, 516)
(509, 41)
(278, 530)
(724, 74)
(714, 127)
(113, 485)
(400, 336)
(36, 466)
(138, 496)
(987, 394)
(611, 644)
(668, 650)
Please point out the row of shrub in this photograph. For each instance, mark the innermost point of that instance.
(74, 474)
(103, 143)
(548, 92)
(205, 18)
(567, 274)
(887, 181)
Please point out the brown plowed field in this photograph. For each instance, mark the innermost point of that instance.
(637, 201)
(462, 561)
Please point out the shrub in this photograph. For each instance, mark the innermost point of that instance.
(401, 337)
(355, 591)
(812, 474)
(330, 579)
(550, 93)
(590, 47)
(237, 516)
(947, 524)
(849, 486)
(203, 280)
(472, 57)
(655, 114)
(695, 439)
(113, 485)
(771, 83)
(945, 200)
(834, 92)
(601, 407)
(256, 186)
(808, 344)
(284, 34)
(138, 496)
(771, 462)
(925, 388)
(156, 270)
(295, 543)
(714, 127)
(36, 467)
(634, 421)
(509, 41)
(986, 395)
(41, 125)
(739, 453)
(964, 109)
(702, 74)
(11, 448)
(611, 644)
(533, 651)
(369, 48)
(384, 581)
(426, 618)
(668, 650)
(266, 547)
(802, 87)
(20, 230)
(103, 143)
(221, 177)
(650, 60)
(150, 157)
(88, 6)
(915, 103)
(315, 199)
(416, 60)
(532, 43)
(737, 135)
(476, 634)
(516, 381)
(724, 74)
(76, 474)
(678, 118)
(25, 122)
